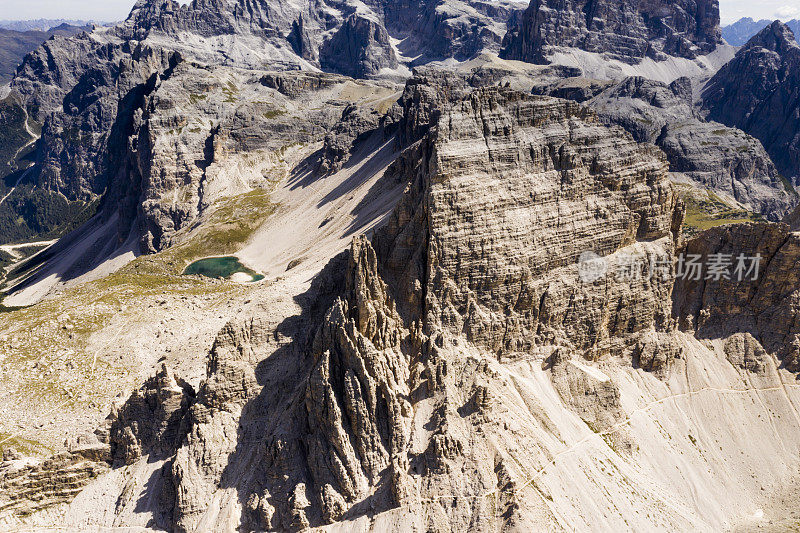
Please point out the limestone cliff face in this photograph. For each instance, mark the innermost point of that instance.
(81, 89)
(446, 373)
(541, 162)
(178, 154)
(91, 91)
(374, 397)
(360, 48)
(628, 31)
(710, 154)
(763, 304)
(28, 487)
(339, 36)
(758, 92)
(457, 372)
(483, 249)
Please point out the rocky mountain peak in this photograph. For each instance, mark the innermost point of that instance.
(345, 37)
(759, 92)
(627, 31)
(777, 37)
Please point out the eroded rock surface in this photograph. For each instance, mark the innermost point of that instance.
(355, 126)
(447, 373)
(341, 36)
(93, 94)
(149, 423)
(182, 145)
(628, 31)
(711, 155)
(759, 93)
(762, 304)
(339, 417)
(360, 48)
(555, 158)
(30, 486)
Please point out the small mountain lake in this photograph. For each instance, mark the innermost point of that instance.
(222, 268)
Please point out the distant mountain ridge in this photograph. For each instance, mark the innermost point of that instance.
(43, 24)
(15, 45)
(746, 28)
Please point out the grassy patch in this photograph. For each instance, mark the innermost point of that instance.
(223, 233)
(57, 353)
(195, 98)
(709, 211)
(25, 446)
(229, 227)
(274, 113)
(231, 92)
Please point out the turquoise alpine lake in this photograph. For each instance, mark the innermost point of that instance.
(220, 268)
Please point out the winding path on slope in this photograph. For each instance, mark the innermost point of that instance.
(34, 138)
(11, 249)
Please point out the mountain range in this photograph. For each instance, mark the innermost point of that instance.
(43, 24)
(16, 44)
(441, 265)
(744, 29)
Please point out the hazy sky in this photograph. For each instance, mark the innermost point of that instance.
(733, 10)
(102, 10)
(110, 10)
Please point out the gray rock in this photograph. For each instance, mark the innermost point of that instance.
(189, 124)
(759, 93)
(439, 29)
(324, 423)
(150, 422)
(710, 154)
(360, 48)
(628, 30)
(470, 301)
(28, 486)
(91, 92)
(430, 30)
(743, 351)
(763, 306)
(16, 44)
(355, 125)
(301, 41)
(81, 89)
(577, 89)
